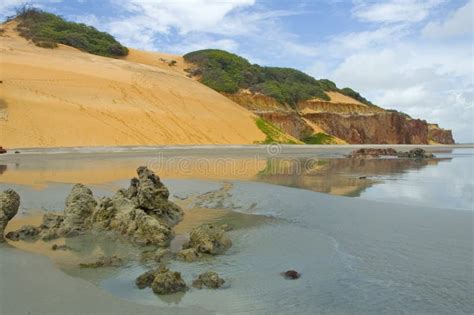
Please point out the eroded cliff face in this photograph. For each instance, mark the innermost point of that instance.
(354, 123)
(384, 128)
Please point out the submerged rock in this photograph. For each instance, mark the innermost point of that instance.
(208, 279)
(188, 255)
(25, 233)
(9, 204)
(208, 239)
(291, 274)
(109, 261)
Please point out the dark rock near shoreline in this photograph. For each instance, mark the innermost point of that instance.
(291, 274)
(25, 233)
(417, 153)
(2, 150)
(157, 256)
(110, 261)
(208, 239)
(366, 153)
(208, 279)
(60, 247)
(9, 204)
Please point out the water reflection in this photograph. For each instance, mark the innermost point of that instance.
(346, 177)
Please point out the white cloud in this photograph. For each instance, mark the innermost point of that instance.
(461, 22)
(394, 11)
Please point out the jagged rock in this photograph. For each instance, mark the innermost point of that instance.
(162, 281)
(291, 274)
(417, 153)
(150, 191)
(208, 279)
(2, 150)
(51, 221)
(158, 255)
(103, 214)
(188, 255)
(25, 233)
(80, 204)
(167, 282)
(9, 204)
(110, 261)
(146, 279)
(208, 239)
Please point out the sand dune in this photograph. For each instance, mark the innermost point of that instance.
(64, 97)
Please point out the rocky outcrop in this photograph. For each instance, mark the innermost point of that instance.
(208, 239)
(2, 150)
(339, 108)
(9, 204)
(156, 256)
(373, 153)
(188, 255)
(110, 261)
(209, 280)
(383, 128)
(162, 281)
(439, 135)
(417, 153)
(142, 213)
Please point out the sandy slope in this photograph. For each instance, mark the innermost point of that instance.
(63, 97)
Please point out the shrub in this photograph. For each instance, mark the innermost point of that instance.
(227, 73)
(319, 138)
(48, 30)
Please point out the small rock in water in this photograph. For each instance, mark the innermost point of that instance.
(60, 247)
(156, 255)
(110, 261)
(208, 239)
(162, 281)
(208, 279)
(291, 274)
(362, 177)
(227, 227)
(25, 233)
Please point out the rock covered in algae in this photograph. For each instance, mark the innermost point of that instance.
(188, 255)
(208, 239)
(9, 204)
(208, 279)
(162, 281)
(142, 213)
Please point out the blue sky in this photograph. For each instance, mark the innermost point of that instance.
(410, 55)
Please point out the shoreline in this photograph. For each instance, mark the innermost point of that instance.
(217, 149)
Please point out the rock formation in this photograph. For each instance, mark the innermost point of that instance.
(142, 213)
(208, 279)
(9, 204)
(208, 239)
(365, 153)
(291, 274)
(162, 281)
(110, 261)
(417, 153)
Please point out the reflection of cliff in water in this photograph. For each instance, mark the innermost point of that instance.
(3, 168)
(345, 177)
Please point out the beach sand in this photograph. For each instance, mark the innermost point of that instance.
(64, 97)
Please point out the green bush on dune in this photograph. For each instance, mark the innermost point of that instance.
(319, 138)
(48, 30)
(227, 73)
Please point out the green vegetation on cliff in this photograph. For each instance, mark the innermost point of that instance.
(48, 30)
(273, 133)
(228, 73)
(319, 138)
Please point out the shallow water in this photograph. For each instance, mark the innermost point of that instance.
(401, 241)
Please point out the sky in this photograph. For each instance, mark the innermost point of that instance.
(410, 55)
